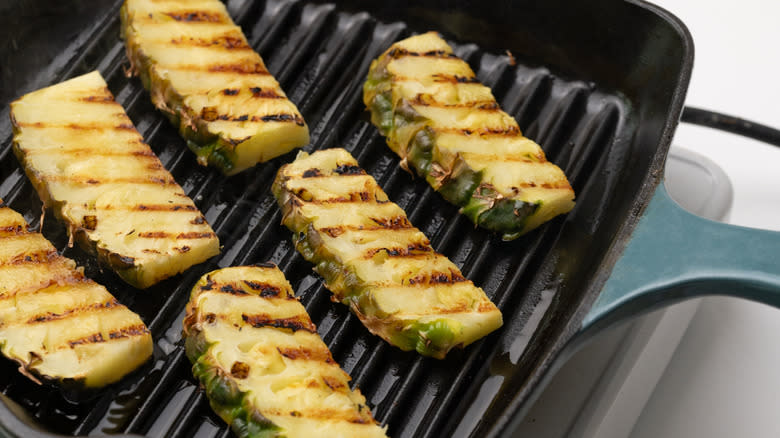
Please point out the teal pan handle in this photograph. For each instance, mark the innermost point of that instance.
(673, 255)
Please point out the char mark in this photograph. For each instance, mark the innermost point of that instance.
(311, 173)
(229, 42)
(165, 207)
(211, 115)
(282, 118)
(392, 223)
(353, 197)
(441, 77)
(295, 353)
(165, 234)
(51, 316)
(100, 98)
(247, 68)
(412, 250)
(349, 169)
(399, 52)
(266, 290)
(13, 229)
(197, 16)
(46, 256)
(259, 93)
(232, 290)
(127, 332)
(438, 278)
(509, 131)
(292, 323)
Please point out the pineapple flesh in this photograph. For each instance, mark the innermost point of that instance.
(449, 128)
(265, 370)
(58, 325)
(90, 165)
(203, 75)
(375, 261)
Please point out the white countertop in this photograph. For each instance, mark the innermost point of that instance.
(724, 379)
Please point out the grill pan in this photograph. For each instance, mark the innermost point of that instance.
(599, 84)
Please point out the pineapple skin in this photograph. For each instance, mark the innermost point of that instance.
(91, 167)
(449, 128)
(226, 105)
(265, 370)
(375, 261)
(58, 325)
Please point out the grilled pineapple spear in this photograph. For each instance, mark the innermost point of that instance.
(264, 368)
(448, 127)
(375, 261)
(57, 324)
(203, 75)
(90, 165)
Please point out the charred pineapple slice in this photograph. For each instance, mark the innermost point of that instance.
(264, 368)
(203, 75)
(448, 127)
(57, 324)
(375, 261)
(90, 165)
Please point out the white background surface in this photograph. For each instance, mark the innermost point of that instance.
(724, 380)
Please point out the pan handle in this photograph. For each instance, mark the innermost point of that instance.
(673, 254)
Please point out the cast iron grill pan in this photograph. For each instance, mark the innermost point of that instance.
(320, 54)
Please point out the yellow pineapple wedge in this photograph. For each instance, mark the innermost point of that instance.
(375, 261)
(448, 127)
(57, 324)
(90, 165)
(264, 368)
(203, 75)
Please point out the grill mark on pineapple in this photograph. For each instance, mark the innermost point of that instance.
(120, 333)
(13, 230)
(477, 105)
(259, 93)
(153, 207)
(99, 98)
(329, 415)
(41, 257)
(140, 154)
(266, 290)
(349, 169)
(91, 339)
(198, 16)
(510, 131)
(95, 126)
(70, 278)
(293, 323)
(443, 77)
(435, 277)
(400, 52)
(76, 179)
(393, 223)
(74, 312)
(410, 251)
(255, 69)
(355, 197)
(191, 235)
(282, 118)
(233, 42)
(440, 77)
(304, 353)
(489, 156)
(246, 68)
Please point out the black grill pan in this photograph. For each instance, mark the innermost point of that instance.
(599, 84)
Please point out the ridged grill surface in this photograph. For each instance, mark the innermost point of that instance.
(320, 55)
